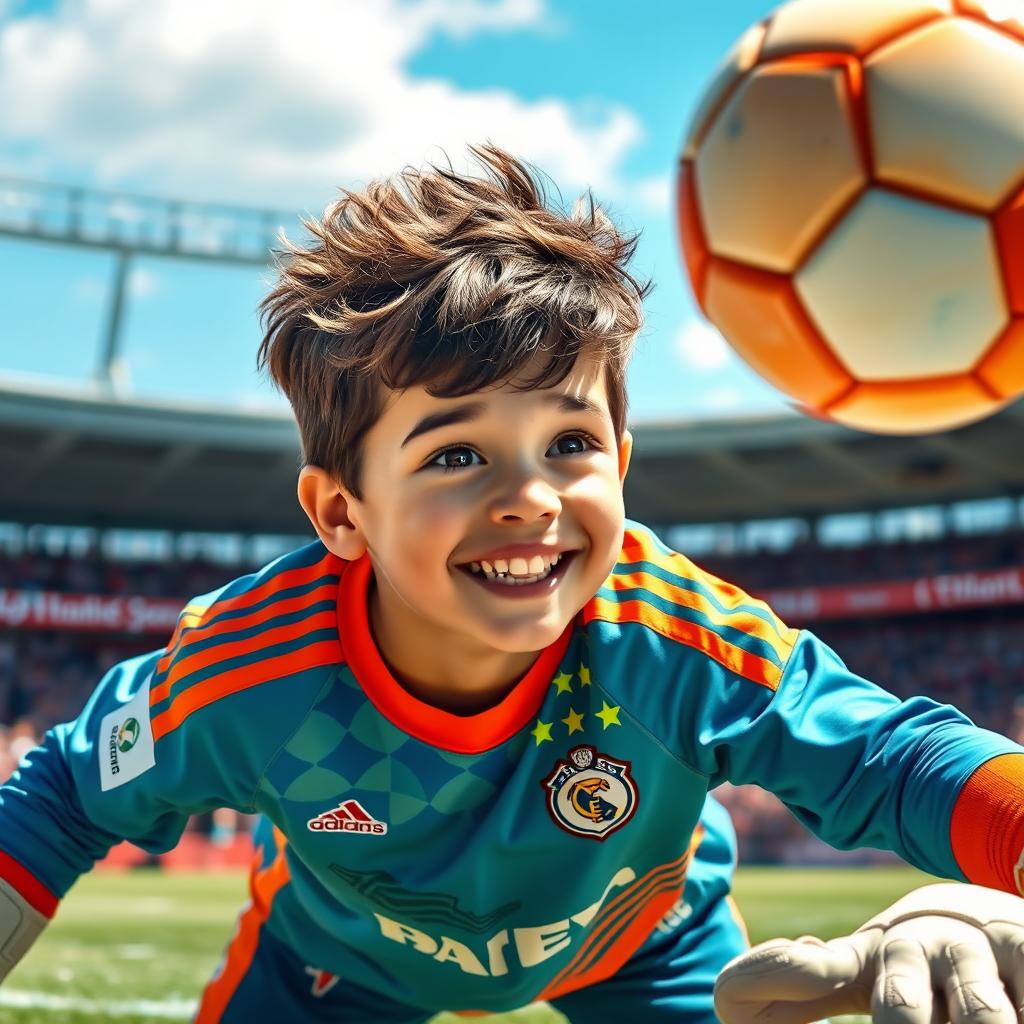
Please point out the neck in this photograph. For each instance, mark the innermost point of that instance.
(451, 672)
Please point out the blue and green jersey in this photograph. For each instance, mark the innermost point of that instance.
(485, 861)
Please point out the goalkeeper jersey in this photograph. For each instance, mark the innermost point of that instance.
(488, 860)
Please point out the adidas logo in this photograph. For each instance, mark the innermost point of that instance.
(349, 816)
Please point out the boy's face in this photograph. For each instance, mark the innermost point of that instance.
(500, 480)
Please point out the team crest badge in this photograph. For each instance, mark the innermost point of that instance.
(591, 794)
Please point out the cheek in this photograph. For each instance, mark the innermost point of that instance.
(429, 526)
(599, 499)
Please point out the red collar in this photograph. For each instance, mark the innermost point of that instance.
(461, 734)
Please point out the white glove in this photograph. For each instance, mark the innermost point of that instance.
(20, 925)
(946, 952)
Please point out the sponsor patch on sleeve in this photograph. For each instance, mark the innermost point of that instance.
(125, 743)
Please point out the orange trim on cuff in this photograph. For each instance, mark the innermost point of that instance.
(461, 734)
(27, 885)
(987, 827)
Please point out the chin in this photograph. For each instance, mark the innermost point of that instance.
(526, 638)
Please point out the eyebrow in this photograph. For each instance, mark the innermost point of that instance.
(474, 410)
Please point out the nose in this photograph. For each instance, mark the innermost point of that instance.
(526, 500)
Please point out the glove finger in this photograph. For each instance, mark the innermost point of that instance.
(903, 984)
(970, 979)
(791, 982)
(1009, 952)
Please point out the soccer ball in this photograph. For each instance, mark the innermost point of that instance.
(851, 208)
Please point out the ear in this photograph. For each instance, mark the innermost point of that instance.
(330, 507)
(625, 453)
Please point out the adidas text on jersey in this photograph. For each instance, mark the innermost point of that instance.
(349, 816)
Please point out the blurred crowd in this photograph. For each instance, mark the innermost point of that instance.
(807, 564)
(974, 660)
(94, 574)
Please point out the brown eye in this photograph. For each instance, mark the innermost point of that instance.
(457, 457)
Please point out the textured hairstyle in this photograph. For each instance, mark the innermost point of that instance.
(451, 282)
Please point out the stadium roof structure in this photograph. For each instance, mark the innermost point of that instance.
(80, 455)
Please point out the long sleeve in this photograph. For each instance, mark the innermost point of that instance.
(98, 780)
(859, 767)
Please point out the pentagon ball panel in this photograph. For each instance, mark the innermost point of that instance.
(851, 208)
(791, 123)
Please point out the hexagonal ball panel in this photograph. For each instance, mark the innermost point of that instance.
(1005, 14)
(915, 409)
(904, 289)
(946, 107)
(735, 64)
(783, 125)
(849, 26)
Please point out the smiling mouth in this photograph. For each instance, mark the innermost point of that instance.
(501, 575)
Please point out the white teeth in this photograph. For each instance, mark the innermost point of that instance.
(516, 571)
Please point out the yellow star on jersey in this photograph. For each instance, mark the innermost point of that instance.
(584, 675)
(574, 720)
(608, 715)
(541, 732)
(562, 683)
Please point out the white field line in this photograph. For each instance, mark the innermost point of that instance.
(171, 1009)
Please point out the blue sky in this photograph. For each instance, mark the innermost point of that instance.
(273, 105)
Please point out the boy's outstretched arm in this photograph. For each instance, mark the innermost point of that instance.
(163, 736)
(947, 952)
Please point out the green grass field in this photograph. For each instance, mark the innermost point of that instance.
(138, 947)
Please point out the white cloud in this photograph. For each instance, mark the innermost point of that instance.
(277, 104)
(701, 348)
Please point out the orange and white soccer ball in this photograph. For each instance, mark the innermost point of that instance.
(851, 207)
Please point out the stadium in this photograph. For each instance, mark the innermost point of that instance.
(906, 554)
(166, 156)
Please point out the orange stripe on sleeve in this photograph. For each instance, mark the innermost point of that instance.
(987, 827)
(263, 887)
(184, 663)
(326, 652)
(750, 666)
(247, 645)
(330, 563)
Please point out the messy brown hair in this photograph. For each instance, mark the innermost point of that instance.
(451, 282)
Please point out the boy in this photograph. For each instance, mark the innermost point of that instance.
(481, 714)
